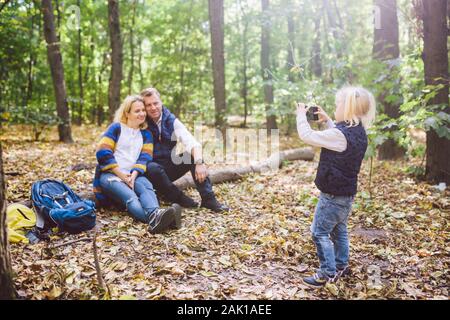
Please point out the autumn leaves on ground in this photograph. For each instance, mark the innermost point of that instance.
(259, 250)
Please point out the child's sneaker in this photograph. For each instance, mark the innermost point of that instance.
(342, 273)
(318, 280)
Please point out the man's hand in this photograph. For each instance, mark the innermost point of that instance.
(201, 172)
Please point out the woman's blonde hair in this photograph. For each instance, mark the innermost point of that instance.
(359, 105)
(121, 114)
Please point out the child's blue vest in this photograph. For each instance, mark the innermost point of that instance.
(338, 171)
(162, 142)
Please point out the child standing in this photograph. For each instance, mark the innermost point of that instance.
(343, 148)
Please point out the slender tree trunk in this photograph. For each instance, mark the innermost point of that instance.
(448, 18)
(334, 28)
(116, 58)
(58, 19)
(288, 6)
(271, 122)
(80, 76)
(316, 49)
(435, 58)
(386, 33)
(100, 102)
(131, 71)
(141, 74)
(291, 39)
(328, 73)
(100, 113)
(180, 97)
(244, 45)
(31, 61)
(7, 291)
(216, 22)
(244, 91)
(386, 47)
(57, 71)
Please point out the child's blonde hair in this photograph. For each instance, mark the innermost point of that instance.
(125, 108)
(359, 105)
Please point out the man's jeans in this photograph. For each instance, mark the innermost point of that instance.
(329, 232)
(163, 172)
(140, 203)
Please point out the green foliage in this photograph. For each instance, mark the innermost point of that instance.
(39, 117)
(171, 51)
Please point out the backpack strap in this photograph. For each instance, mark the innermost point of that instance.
(58, 197)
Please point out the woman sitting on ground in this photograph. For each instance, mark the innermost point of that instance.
(122, 155)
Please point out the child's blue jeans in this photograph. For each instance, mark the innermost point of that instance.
(329, 232)
(140, 203)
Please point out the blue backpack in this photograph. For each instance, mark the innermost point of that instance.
(56, 205)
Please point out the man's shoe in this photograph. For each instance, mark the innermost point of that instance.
(161, 219)
(317, 280)
(176, 224)
(187, 202)
(214, 205)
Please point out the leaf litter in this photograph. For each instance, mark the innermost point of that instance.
(261, 249)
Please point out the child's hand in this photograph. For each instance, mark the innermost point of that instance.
(323, 116)
(301, 108)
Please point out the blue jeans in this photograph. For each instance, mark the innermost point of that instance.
(329, 232)
(140, 203)
(162, 173)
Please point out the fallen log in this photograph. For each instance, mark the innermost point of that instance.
(235, 173)
(232, 174)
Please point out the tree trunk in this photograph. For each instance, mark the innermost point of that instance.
(180, 97)
(271, 121)
(291, 39)
(116, 58)
(32, 60)
(232, 174)
(244, 90)
(335, 29)
(435, 58)
(141, 75)
(57, 71)
(80, 76)
(316, 50)
(244, 45)
(216, 22)
(386, 47)
(7, 291)
(131, 71)
(58, 19)
(386, 33)
(100, 113)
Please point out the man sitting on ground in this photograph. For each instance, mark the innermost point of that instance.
(163, 171)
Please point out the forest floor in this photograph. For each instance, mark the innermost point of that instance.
(261, 249)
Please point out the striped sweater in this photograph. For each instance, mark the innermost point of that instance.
(106, 160)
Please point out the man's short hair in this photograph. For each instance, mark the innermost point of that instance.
(150, 92)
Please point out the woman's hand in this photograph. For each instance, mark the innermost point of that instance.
(132, 179)
(124, 177)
